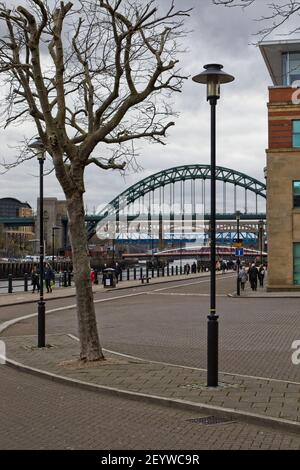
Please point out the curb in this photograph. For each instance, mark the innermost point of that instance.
(249, 418)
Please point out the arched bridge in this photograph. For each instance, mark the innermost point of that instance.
(186, 184)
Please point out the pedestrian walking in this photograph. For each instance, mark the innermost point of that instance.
(48, 276)
(253, 275)
(93, 276)
(243, 277)
(261, 275)
(35, 279)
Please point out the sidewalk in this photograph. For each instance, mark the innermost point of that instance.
(65, 292)
(256, 400)
(262, 293)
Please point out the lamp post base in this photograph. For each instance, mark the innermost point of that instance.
(212, 350)
(41, 324)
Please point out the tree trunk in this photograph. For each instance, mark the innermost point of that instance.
(90, 349)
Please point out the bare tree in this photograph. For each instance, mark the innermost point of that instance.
(91, 75)
(277, 14)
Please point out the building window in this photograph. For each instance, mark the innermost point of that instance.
(296, 193)
(297, 263)
(296, 133)
(291, 68)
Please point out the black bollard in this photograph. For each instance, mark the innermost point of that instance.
(134, 273)
(65, 283)
(128, 274)
(25, 282)
(70, 278)
(10, 286)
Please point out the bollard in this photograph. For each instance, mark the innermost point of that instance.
(10, 286)
(25, 282)
(147, 273)
(152, 272)
(172, 271)
(128, 274)
(134, 273)
(141, 273)
(176, 270)
(65, 283)
(70, 278)
(163, 271)
(168, 270)
(180, 270)
(120, 275)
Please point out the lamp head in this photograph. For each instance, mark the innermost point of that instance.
(213, 76)
(238, 215)
(38, 146)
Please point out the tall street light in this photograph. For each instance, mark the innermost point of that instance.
(260, 238)
(55, 227)
(38, 146)
(213, 76)
(238, 262)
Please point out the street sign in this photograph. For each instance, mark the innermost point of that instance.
(239, 252)
(237, 244)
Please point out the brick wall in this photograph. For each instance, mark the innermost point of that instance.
(281, 113)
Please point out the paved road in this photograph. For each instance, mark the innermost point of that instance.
(40, 414)
(168, 323)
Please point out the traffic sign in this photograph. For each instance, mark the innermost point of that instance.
(237, 244)
(239, 252)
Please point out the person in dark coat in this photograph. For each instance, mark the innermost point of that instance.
(253, 275)
(35, 279)
(261, 275)
(48, 276)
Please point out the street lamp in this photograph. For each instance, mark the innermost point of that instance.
(260, 237)
(238, 285)
(213, 76)
(38, 146)
(55, 227)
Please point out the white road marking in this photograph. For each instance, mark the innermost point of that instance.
(187, 284)
(141, 359)
(177, 293)
(7, 324)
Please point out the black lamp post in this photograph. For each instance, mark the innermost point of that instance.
(38, 146)
(238, 262)
(261, 235)
(213, 76)
(55, 227)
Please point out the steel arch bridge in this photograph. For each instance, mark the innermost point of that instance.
(184, 173)
(171, 176)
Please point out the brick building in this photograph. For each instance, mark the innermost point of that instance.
(283, 164)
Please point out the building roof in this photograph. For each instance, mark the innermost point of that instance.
(272, 53)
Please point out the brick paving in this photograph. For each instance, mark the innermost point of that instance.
(267, 398)
(41, 414)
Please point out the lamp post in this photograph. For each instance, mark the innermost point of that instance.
(38, 146)
(261, 234)
(238, 284)
(55, 227)
(213, 76)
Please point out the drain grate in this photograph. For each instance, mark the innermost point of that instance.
(210, 420)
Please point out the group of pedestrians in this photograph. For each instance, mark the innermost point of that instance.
(254, 275)
(49, 277)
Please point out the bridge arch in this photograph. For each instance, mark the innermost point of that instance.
(181, 173)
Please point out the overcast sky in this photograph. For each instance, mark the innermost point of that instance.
(220, 35)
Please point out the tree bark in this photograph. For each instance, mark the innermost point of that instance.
(90, 349)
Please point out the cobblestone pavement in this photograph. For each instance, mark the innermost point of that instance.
(41, 414)
(168, 324)
(247, 395)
